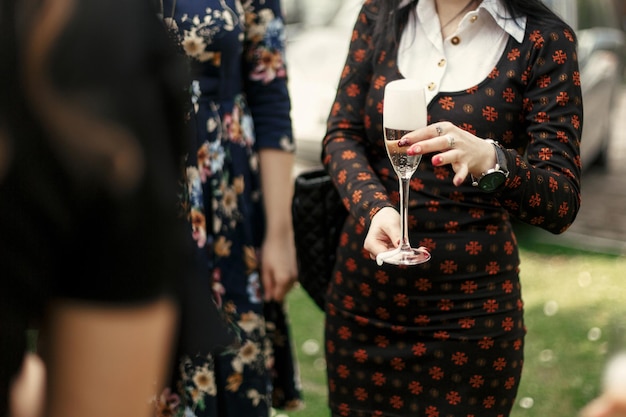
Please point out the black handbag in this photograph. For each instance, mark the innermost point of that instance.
(318, 217)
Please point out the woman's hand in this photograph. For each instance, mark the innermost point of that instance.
(384, 233)
(279, 271)
(466, 153)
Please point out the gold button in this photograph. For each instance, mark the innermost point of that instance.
(431, 86)
(455, 40)
(442, 62)
(473, 18)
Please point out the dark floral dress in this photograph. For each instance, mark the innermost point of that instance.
(239, 105)
(445, 338)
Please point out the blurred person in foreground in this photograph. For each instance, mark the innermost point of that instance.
(238, 201)
(446, 337)
(91, 242)
(612, 401)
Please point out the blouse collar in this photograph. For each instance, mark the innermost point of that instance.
(496, 8)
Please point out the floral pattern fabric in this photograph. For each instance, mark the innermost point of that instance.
(445, 338)
(239, 105)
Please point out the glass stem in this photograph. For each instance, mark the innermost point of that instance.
(404, 212)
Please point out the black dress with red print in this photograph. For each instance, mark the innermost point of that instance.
(445, 338)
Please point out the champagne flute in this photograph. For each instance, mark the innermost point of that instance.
(404, 110)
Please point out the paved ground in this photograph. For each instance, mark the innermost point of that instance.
(601, 222)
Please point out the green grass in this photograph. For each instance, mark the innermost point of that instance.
(575, 316)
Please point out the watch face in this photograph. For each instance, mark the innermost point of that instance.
(492, 181)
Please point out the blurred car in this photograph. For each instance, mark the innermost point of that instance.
(601, 49)
(319, 34)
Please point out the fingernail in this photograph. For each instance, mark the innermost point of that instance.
(437, 160)
(415, 150)
(402, 142)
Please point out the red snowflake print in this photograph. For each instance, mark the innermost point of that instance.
(499, 364)
(360, 355)
(343, 371)
(423, 284)
(433, 206)
(415, 388)
(445, 305)
(559, 57)
(510, 383)
(563, 209)
(477, 213)
(348, 302)
(351, 265)
(553, 184)
(361, 321)
(401, 300)
(453, 398)
(344, 409)
(344, 333)
(436, 373)
(493, 268)
(380, 82)
(441, 335)
(562, 98)
(490, 114)
(447, 103)
(382, 313)
(474, 248)
(416, 184)
(508, 324)
(477, 381)
(486, 343)
(509, 95)
(467, 323)
(535, 200)
(419, 349)
(460, 359)
(507, 286)
(428, 244)
(431, 411)
(379, 379)
(491, 306)
(397, 364)
(365, 289)
(381, 277)
(353, 90)
(545, 154)
(360, 394)
(495, 73)
(381, 341)
(514, 54)
(469, 287)
(544, 81)
(489, 402)
(509, 248)
(452, 226)
(396, 402)
(398, 329)
(448, 266)
(421, 320)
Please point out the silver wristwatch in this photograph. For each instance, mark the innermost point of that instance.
(495, 177)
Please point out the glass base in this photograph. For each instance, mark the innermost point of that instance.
(410, 256)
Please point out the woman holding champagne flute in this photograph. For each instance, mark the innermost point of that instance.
(500, 140)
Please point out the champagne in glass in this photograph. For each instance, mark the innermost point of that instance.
(404, 110)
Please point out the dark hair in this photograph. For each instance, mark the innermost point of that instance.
(392, 18)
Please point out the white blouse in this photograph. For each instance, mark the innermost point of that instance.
(463, 59)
